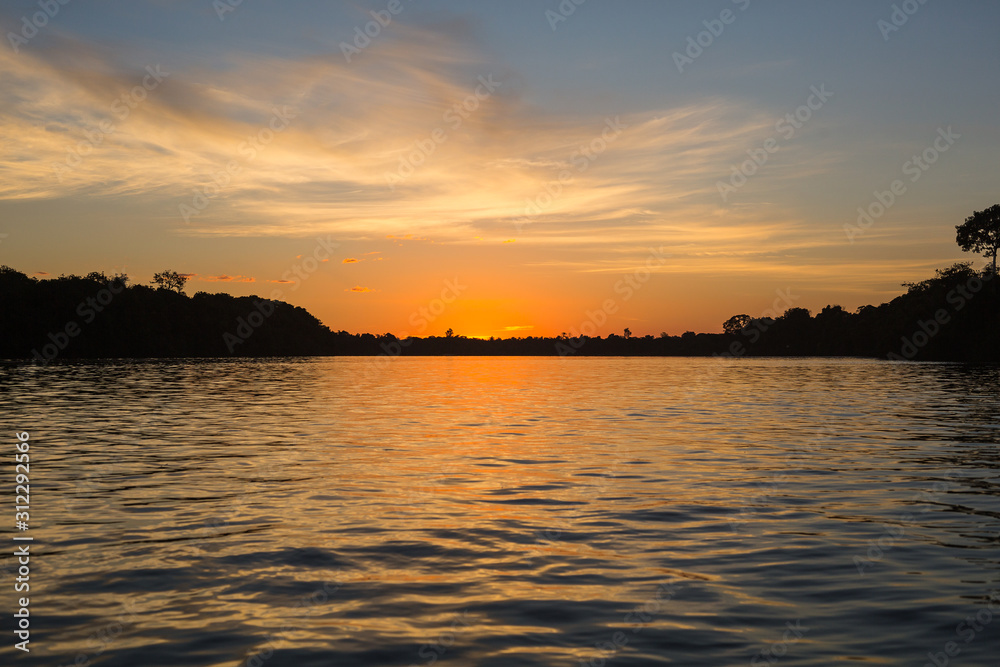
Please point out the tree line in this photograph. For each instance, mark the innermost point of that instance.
(954, 315)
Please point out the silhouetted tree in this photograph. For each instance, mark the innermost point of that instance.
(170, 280)
(628, 333)
(449, 333)
(100, 277)
(832, 312)
(11, 279)
(736, 324)
(981, 233)
(957, 273)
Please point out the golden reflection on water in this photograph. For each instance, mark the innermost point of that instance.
(365, 508)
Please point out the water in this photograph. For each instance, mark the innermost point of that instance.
(508, 511)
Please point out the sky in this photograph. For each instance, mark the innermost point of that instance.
(509, 168)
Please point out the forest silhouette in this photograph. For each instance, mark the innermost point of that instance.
(953, 316)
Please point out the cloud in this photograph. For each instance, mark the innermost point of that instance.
(227, 279)
(360, 290)
(282, 282)
(41, 273)
(350, 260)
(328, 170)
(406, 237)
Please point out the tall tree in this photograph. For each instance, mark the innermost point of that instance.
(736, 324)
(981, 233)
(170, 280)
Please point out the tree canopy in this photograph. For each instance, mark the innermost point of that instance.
(170, 280)
(736, 324)
(981, 233)
(952, 316)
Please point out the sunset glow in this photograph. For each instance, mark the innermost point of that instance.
(522, 333)
(535, 162)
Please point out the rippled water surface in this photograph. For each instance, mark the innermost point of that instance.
(508, 511)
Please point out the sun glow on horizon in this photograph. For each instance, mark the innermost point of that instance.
(451, 159)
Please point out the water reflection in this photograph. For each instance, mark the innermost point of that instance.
(508, 511)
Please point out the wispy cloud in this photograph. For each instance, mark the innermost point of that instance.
(493, 178)
(227, 279)
(327, 171)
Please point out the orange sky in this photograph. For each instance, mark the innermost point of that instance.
(557, 180)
